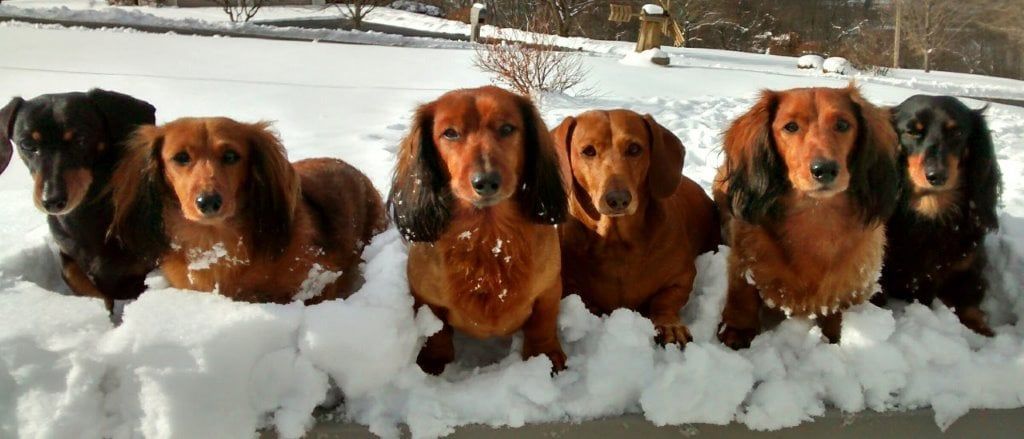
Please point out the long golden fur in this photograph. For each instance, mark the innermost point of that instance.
(810, 178)
(477, 191)
(278, 232)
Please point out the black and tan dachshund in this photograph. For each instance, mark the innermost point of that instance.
(951, 188)
(71, 143)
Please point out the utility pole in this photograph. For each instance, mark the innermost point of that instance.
(896, 33)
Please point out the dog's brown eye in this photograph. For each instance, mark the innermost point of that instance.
(589, 151)
(450, 134)
(791, 127)
(231, 157)
(506, 130)
(842, 126)
(633, 150)
(181, 158)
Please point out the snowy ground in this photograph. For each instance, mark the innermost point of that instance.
(196, 365)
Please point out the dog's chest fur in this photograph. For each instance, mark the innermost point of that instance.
(484, 272)
(819, 259)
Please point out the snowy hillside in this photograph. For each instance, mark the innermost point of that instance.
(196, 365)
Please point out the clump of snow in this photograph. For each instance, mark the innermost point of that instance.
(647, 58)
(417, 7)
(651, 9)
(838, 65)
(813, 62)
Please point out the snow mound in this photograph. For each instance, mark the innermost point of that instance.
(647, 58)
(838, 65)
(813, 62)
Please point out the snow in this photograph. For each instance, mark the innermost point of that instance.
(185, 364)
(838, 65)
(810, 62)
(645, 58)
(650, 9)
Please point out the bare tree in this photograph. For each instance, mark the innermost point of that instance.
(932, 26)
(357, 10)
(241, 10)
(530, 63)
(564, 13)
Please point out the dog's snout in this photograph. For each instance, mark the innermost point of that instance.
(618, 200)
(54, 198)
(486, 184)
(824, 170)
(209, 203)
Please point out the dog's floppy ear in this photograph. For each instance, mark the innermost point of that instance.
(984, 179)
(755, 174)
(7, 116)
(874, 172)
(542, 192)
(273, 191)
(138, 193)
(562, 137)
(420, 200)
(121, 113)
(667, 156)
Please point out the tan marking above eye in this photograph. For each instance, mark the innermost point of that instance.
(919, 126)
(68, 135)
(37, 136)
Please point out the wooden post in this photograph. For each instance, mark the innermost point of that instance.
(896, 33)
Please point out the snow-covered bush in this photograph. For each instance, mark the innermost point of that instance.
(812, 62)
(838, 65)
(417, 7)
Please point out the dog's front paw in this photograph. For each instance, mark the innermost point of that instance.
(555, 354)
(974, 319)
(736, 338)
(672, 333)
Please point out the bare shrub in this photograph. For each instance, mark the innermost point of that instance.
(357, 10)
(529, 63)
(241, 10)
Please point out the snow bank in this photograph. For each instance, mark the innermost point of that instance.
(838, 65)
(647, 58)
(813, 62)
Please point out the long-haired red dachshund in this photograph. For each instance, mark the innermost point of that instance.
(637, 223)
(232, 215)
(478, 191)
(809, 180)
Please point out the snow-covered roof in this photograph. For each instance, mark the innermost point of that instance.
(650, 9)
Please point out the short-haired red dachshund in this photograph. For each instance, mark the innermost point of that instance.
(70, 143)
(951, 188)
(637, 223)
(478, 191)
(232, 215)
(810, 178)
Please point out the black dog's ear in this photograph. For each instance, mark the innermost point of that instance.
(274, 192)
(7, 116)
(542, 193)
(874, 171)
(420, 200)
(121, 113)
(138, 193)
(667, 156)
(984, 179)
(755, 174)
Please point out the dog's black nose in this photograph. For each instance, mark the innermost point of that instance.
(618, 200)
(936, 177)
(825, 171)
(486, 183)
(54, 203)
(209, 204)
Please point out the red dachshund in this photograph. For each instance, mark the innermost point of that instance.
(234, 216)
(809, 180)
(637, 224)
(478, 190)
